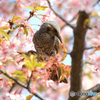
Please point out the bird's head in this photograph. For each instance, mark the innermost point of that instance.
(52, 28)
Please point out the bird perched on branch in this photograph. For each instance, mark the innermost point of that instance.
(46, 39)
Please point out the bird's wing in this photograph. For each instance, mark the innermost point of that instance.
(56, 46)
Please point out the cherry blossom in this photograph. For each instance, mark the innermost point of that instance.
(76, 5)
(88, 5)
(11, 61)
(95, 60)
(81, 5)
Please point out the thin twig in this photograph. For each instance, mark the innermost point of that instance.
(69, 21)
(28, 53)
(97, 2)
(88, 48)
(67, 52)
(14, 79)
(20, 25)
(13, 28)
(31, 15)
(20, 83)
(59, 15)
(87, 62)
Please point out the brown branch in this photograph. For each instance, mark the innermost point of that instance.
(28, 53)
(69, 53)
(97, 2)
(31, 15)
(87, 62)
(20, 25)
(69, 21)
(95, 88)
(29, 80)
(14, 79)
(13, 28)
(20, 83)
(88, 48)
(59, 15)
(77, 55)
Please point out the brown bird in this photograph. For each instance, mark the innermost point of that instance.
(46, 39)
(47, 45)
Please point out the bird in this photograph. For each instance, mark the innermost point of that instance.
(46, 39)
(46, 42)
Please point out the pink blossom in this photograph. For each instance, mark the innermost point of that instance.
(95, 59)
(14, 43)
(5, 97)
(81, 5)
(51, 83)
(3, 22)
(76, 5)
(33, 88)
(88, 5)
(91, 33)
(95, 41)
(59, 1)
(14, 96)
(1, 82)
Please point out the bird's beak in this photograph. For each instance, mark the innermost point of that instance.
(59, 38)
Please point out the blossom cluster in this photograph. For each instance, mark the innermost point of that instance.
(47, 75)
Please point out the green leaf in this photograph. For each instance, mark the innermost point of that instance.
(41, 8)
(33, 59)
(25, 31)
(41, 88)
(13, 17)
(30, 7)
(28, 64)
(18, 72)
(42, 65)
(62, 68)
(26, 57)
(20, 76)
(16, 18)
(1, 39)
(27, 61)
(4, 34)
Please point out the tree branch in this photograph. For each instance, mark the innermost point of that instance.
(67, 52)
(77, 55)
(20, 25)
(87, 62)
(14, 79)
(97, 2)
(59, 15)
(96, 88)
(69, 21)
(20, 83)
(88, 48)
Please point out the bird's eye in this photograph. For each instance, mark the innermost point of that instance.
(49, 28)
